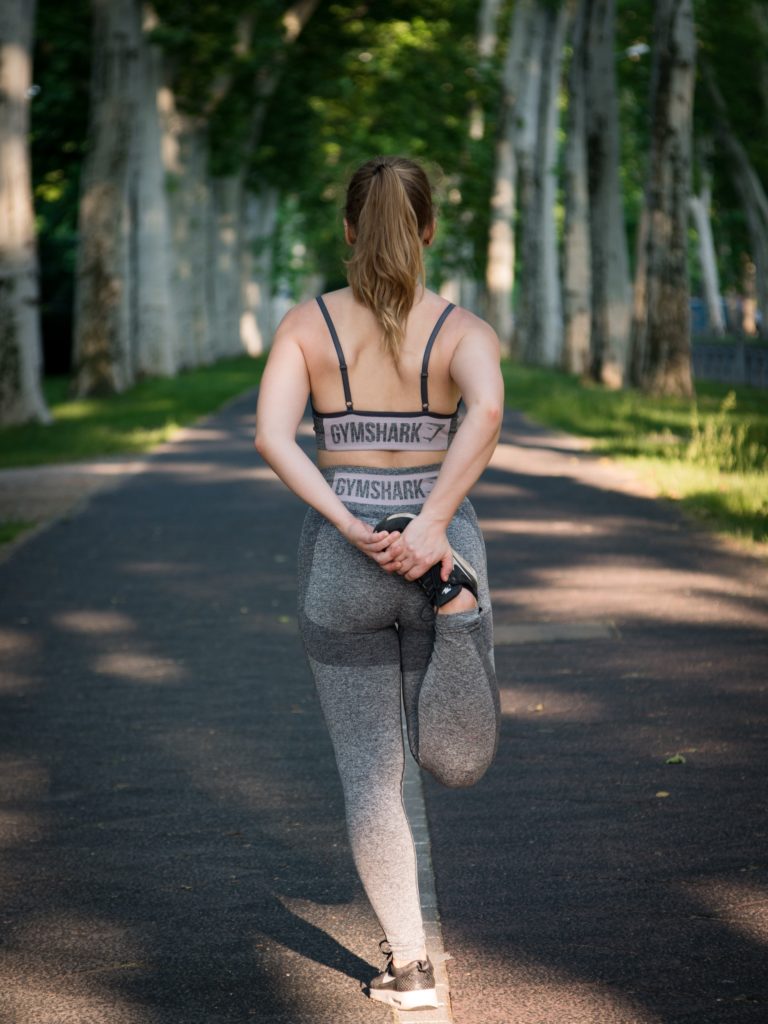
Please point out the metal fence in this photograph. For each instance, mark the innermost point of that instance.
(732, 363)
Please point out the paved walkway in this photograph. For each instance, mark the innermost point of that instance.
(173, 845)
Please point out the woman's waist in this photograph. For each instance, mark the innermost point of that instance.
(382, 486)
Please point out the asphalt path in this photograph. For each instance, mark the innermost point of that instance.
(171, 825)
(586, 879)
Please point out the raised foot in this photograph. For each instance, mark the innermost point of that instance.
(465, 601)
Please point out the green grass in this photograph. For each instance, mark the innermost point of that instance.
(134, 421)
(13, 527)
(711, 455)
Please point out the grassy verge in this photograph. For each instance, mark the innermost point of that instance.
(711, 455)
(134, 421)
(13, 527)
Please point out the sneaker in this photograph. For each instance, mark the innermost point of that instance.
(438, 590)
(407, 988)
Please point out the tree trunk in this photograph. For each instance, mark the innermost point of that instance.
(256, 327)
(185, 155)
(550, 300)
(699, 208)
(104, 299)
(224, 267)
(611, 291)
(525, 120)
(462, 287)
(500, 264)
(751, 192)
(576, 253)
(156, 339)
(540, 320)
(661, 325)
(21, 396)
(231, 196)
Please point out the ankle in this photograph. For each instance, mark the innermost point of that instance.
(464, 601)
(398, 963)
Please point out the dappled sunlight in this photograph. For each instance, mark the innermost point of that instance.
(90, 621)
(18, 827)
(633, 591)
(543, 527)
(139, 668)
(219, 763)
(156, 568)
(14, 683)
(546, 702)
(546, 461)
(15, 642)
(206, 472)
(22, 778)
(509, 493)
(742, 905)
(15, 646)
(539, 993)
(74, 978)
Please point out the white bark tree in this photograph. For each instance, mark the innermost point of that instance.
(539, 325)
(104, 312)
(257, 325)
(577, 276)
(500, 264)
(611, 288)
(156, 339)
(185, 156)
(661, 324)
(233, 204)
(461, 287)
(21, 396)
(699, 206)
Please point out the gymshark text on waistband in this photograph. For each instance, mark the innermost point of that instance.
(374, 489)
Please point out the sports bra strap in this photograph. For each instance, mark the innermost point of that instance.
(339, 351)
(427, 351)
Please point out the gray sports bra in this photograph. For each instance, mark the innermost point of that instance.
(358, 430)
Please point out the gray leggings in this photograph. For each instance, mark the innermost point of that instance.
(370, 636)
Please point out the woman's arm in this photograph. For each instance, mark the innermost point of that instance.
(283, 395)
(475, 369)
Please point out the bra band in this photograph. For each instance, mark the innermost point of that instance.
(424, 364)
(427, 351)
(339, 352)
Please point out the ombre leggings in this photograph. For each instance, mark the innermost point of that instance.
(371, 636)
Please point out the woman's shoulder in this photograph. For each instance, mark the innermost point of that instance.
(469, 327)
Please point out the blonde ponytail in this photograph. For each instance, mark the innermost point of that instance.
(388, 210)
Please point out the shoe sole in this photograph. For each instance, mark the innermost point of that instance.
(466, 567)
(425, 999)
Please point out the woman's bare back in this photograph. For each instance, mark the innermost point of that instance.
(376, 383)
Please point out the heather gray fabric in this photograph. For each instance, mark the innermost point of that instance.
(369, 636)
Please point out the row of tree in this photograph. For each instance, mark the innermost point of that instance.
(573, 163)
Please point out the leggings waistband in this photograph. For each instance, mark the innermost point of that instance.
(369, 487)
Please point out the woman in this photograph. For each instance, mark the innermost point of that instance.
(393, 591)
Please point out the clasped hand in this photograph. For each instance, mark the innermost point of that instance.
(410, 553)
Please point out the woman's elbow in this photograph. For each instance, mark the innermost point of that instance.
(260, 443)
(491, 413)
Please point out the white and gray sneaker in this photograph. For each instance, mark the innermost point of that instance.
(438, 591)
(406, 988)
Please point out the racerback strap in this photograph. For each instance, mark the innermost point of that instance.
(427, 351)
(339, 351)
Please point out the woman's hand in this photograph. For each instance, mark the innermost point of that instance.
(417, 549)
(363, 537)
